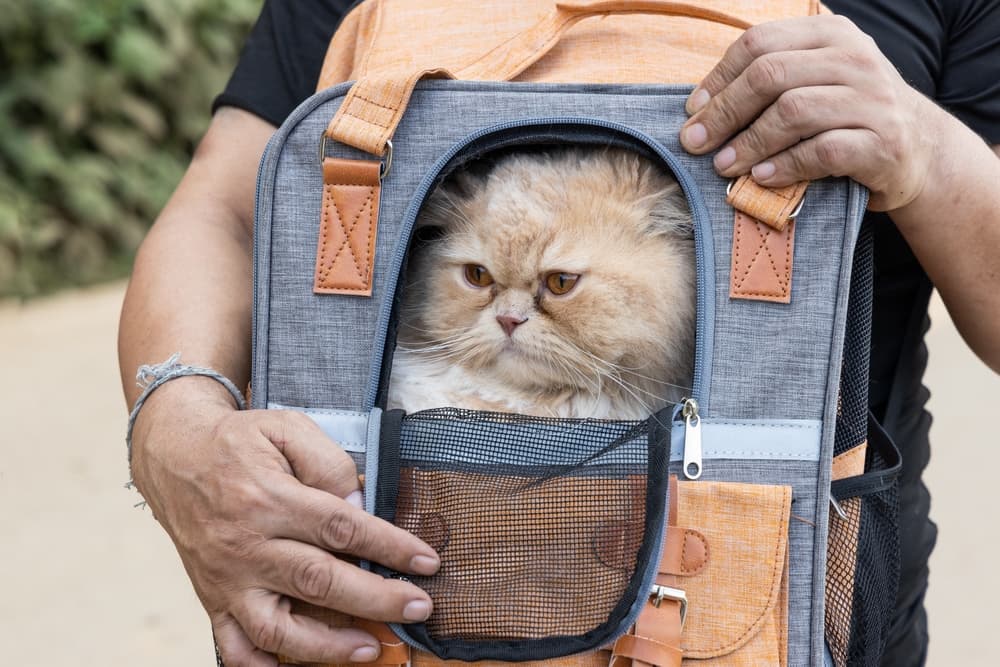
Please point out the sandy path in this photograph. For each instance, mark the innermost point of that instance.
(87, 579)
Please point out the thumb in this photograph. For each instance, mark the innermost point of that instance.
(316, 460)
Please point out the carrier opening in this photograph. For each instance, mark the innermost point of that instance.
(543, 329)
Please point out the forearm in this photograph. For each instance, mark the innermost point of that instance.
(953, 227)
(191, 288)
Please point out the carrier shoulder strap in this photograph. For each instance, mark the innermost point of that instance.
(496, 40)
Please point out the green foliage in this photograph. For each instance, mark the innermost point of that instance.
(101, 103)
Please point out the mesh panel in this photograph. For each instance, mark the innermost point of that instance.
(852, 409)
(863, 557)
(863, 543)
(544, 528)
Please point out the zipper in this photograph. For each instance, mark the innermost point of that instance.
(692, 438)
(703, 240)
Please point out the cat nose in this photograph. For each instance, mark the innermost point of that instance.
(510, 322)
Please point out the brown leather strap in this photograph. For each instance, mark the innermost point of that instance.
(656, 638)
(761, 263)
(763, 240)
(685, 552)
(345, 249)
(646, 650)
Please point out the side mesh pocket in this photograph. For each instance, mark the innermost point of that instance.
(548, 529)
(863, 550)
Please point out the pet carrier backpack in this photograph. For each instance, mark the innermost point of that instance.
(755, 524)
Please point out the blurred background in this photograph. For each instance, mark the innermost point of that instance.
(101, 105)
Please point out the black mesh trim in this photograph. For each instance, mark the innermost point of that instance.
(884, 465)
(852, 410)
(387, 488)
(582, 517)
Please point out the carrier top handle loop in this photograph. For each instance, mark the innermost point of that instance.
(375, 104)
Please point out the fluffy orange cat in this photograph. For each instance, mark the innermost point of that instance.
(562, 284)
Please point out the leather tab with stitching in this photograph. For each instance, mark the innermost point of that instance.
(345, 249)
(685, 552)
(761, 268)
(772, 206)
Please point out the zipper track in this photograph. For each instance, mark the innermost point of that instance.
(704, 255)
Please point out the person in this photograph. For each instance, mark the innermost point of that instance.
(255, 501)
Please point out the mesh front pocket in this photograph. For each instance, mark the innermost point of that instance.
(863, 554)
(548, 529)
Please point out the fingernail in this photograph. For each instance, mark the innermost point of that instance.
(695, 136)
(725, 158)
(697, 100)
(424, 564)
(364, 654)
(763, 171)
(418, 610)
(356, 498)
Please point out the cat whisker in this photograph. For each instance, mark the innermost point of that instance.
(630, 371)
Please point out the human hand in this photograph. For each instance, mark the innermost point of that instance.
(254, 503)
(813, 97)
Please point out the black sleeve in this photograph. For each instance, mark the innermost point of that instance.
(970, 77)
(281, 61)
(947, 49)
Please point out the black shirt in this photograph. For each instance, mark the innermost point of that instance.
(948, 50)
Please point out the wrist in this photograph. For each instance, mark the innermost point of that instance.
(929, 161)
(176, 408)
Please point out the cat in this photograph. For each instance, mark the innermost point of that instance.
(561, 284)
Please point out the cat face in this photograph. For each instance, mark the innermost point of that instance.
(567, 270)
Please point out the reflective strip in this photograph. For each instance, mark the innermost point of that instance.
(348, 429)
(794, 439)
(780, 439)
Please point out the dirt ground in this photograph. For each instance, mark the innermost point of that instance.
(87, 579)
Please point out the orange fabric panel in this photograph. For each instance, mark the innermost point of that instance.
(394, 35)
(405, 40)
(735, 615)
(772, 206)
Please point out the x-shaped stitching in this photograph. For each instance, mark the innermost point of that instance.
(763, 232)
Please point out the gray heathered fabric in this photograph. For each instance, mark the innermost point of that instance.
(856, 209)
(770, 361)
(317, 347)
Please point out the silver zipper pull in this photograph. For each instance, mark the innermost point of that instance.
(692, 439)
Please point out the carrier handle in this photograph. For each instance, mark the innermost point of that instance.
(368, 117)
(519, 53)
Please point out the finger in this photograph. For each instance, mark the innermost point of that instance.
(316, 460)
(315, 517)
(796, 114)
(310, 574)
(830, 153)
(795, 34)
(763, 82)
(235, 647)
(269, 625)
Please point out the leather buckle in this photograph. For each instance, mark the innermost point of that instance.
(661, 593)
(386, 156)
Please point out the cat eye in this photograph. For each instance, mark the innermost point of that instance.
(561, 283)
(478, 276)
